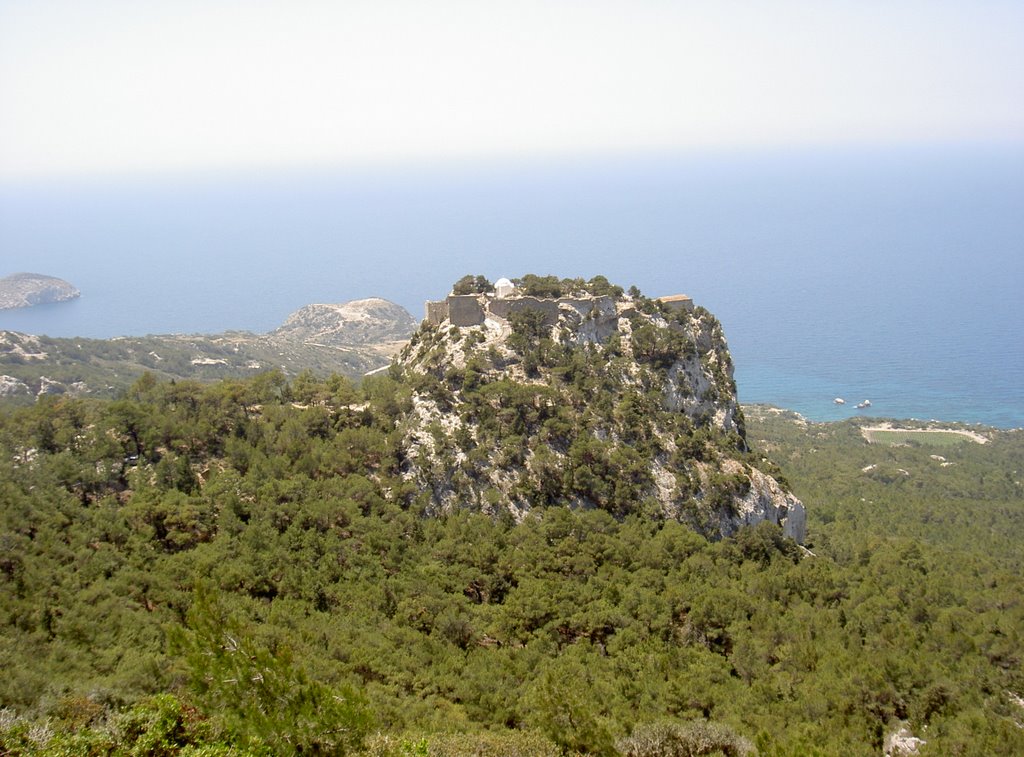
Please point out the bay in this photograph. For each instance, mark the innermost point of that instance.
(892, 274)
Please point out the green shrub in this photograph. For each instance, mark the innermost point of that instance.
(690, 739)
(470, 284)
(263, 698)
(493, 744)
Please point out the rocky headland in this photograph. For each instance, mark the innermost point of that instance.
(373, 321)
(23, 290)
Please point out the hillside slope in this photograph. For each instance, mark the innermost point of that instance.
(264, 526)
(350, 338)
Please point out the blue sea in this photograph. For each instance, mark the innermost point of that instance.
(894, 275)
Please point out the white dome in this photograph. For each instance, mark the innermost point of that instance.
(504, 288)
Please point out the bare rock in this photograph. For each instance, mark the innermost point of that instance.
(902, 742)
(765, 500)
(22, 290)
(48, 385)
(12, 387)
(358, 322)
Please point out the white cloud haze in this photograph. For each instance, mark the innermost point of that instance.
(107, 85)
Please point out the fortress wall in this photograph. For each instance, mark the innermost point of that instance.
(436, 312)
(604, 305)
(465, 310)
(548, 307)
(505, 308)
(499, 308)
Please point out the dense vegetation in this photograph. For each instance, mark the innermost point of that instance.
(240, 568)
(551, 286)
(533, 285)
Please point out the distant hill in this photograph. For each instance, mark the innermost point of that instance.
(351, 338)
(369, 322)
(22, 290)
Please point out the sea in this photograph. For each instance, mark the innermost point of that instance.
(888, 274)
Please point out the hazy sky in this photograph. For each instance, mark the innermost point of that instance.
(151, 85)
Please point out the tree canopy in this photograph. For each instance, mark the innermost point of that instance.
(240, 568)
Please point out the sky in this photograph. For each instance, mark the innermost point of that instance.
(129, 86)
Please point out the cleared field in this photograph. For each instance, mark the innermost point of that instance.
(930, 437)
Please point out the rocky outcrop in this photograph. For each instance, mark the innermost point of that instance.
(22, 290)
(902, 743)
(762, 499)
(19, 348)
(590, 320)
(359, 322)
(620, 403)
(12, 387)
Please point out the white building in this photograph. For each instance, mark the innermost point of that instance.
(504, 288)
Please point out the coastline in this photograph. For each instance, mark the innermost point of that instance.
(974, 432)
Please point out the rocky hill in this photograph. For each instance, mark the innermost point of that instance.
(350, 338)
(583, 395)
(22, 290)
(371, 321)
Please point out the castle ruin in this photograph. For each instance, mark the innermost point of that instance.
(473, 309)
(677, 302)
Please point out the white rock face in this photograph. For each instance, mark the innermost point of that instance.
(48, 385)
(590, 321)
(21, 346)
(694, 388)
(11, 387)
(902, 743)
(767, 501)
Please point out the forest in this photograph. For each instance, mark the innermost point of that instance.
(239, 568)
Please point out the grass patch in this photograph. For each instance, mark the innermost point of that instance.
(923, 437)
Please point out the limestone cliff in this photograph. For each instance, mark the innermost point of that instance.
(22, 290)
(586, 399)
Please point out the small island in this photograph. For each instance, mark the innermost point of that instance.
(22, 290)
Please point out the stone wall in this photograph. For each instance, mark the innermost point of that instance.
(505, 308)
(471, 309)
(436, 312)
(465, 310)
(499, 308)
